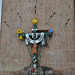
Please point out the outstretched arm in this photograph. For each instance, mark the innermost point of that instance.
(21, 34)
(49, 33)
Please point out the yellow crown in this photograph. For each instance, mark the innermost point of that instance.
(34, 21)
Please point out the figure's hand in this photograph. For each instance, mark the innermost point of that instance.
(50, 32)
(21, 38)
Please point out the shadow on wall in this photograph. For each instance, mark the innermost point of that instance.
(42, 71)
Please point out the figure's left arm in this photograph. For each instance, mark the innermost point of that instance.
(49, 33)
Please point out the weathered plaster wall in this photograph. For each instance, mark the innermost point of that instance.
(61, 52)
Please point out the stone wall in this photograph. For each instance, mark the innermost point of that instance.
(55, 14)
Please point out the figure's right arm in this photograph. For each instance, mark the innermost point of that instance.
(21, 35)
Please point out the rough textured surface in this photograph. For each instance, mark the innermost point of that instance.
(55, 14)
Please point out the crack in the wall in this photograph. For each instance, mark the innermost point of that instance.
(35, 9)
(6, 24)
(19, 16)
(47, 23)
(67, 21)
(52, 14)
